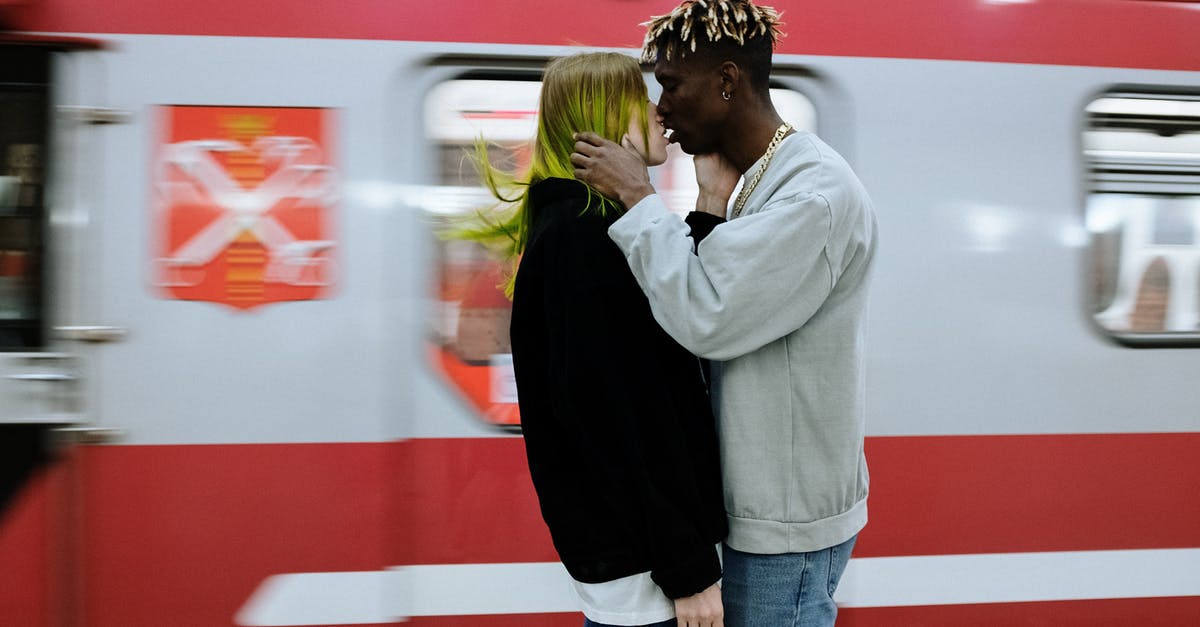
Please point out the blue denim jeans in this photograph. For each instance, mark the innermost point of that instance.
(785, 590)
(664, 623)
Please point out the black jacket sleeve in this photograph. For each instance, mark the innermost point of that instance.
(702, 224)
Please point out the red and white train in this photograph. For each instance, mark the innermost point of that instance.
(243, 383)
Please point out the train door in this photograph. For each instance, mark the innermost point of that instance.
(29, 401)
(44, 372)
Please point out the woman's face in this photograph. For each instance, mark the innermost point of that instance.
(658, 140)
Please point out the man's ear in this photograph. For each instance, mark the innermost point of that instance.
(730, 75)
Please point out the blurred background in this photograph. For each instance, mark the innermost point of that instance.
(245, 379)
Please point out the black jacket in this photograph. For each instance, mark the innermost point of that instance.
(619, 431)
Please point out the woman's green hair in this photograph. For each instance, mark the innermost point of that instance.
(594, 91)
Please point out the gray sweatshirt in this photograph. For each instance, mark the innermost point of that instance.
(776, 297)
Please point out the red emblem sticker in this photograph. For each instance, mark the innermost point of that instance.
(243, 200)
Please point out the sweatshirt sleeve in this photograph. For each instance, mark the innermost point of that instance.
(751, 281)
(610, 385)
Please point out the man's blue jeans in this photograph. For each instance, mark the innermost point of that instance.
(785, 590)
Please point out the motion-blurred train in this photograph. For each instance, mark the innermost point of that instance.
(244, 381)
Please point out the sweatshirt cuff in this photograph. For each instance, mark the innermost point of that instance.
(647, 212)
(692, 576)
(652, 204)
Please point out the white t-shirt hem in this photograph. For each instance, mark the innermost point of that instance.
(632, 600)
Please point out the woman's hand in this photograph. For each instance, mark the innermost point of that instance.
(717, 178)
(702, 609)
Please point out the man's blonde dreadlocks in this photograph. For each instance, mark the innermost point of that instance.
(735, 20)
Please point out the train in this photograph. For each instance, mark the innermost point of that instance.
(245, 379)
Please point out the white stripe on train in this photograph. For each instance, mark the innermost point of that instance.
(356, 598)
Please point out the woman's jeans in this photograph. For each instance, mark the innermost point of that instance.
(785, 590)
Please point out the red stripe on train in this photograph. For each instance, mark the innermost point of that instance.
(26, 557)
(137, 536)
(999, 494)
(185, 533)
(929, 496)
(1115, 33)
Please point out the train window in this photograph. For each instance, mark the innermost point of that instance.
(1143, 214)
(470, 311)
(23, 131)
(471, 314)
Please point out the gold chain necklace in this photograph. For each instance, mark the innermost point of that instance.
(748, 188)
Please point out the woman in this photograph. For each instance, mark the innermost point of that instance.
(618, 427)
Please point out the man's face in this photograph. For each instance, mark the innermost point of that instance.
(691, 104)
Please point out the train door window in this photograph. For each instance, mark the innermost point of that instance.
(24, 74)
(469, 329)
(24, 101)
(1142, 152)
(471, 314)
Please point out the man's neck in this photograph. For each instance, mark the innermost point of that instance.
(747, 139)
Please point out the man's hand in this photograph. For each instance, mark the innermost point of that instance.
(702, 609)
(611, 169)
(716, 177)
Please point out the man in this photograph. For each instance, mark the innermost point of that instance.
(775, 296)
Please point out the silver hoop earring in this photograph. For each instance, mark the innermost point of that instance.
(726, 96)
